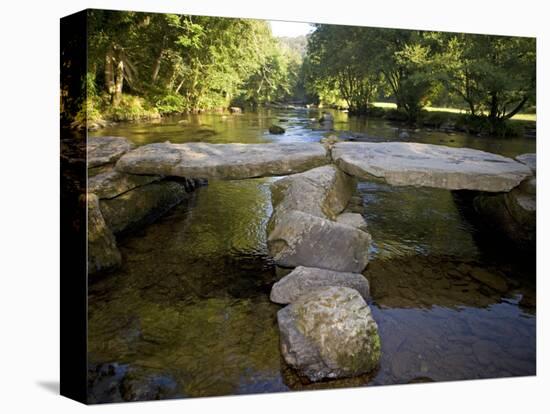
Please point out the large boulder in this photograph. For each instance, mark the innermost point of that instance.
(426, 165)
(512, 214)
(352, 219)
(329, 333)
(530, 160)
(300, 239)
(302, 230)
(323, 192)
(112, 183)
(106, 150)
(223, 161)
(303, 280)
(142, 205)
(103, 254)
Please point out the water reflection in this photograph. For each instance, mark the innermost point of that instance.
(408, 221)
(188, 314)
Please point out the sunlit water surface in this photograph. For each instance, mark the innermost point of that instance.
(188, 314)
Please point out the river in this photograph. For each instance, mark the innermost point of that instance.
(189, 310)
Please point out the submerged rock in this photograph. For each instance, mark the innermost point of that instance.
(329, 333)
(326, 117)
(103, 254)
(490, 279)
(276, 129)
(223, 161)
(426, 165)
(303, 280)
(106, 150)
(136, 386)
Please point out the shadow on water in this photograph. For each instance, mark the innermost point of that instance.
(189, 315)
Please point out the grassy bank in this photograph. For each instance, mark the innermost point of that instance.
(456, 119)
(517, 117)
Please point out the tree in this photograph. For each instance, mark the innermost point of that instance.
(406, 61)
(495, 75)
(343, 58)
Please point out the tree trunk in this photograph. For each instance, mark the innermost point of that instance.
(179, 86)
(119, 82)
(109, 73)
(156, 67)
(516, 109)
(472, 108)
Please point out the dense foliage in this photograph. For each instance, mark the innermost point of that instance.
(494, 76)
(145, 65)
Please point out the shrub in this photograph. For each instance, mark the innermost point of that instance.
(171, 104)
(131, 108)
(435, 119)
(396, 115)
(376, 111)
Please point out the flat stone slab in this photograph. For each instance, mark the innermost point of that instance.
(141, 205)
(223, 161)
(111, 184)
(303, 280)
(426, 165)
(105, 150)
(530, 160)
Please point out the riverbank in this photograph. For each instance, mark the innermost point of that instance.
(99, 113)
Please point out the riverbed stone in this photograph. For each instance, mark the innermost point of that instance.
(223, 161)
(530, 160)
(355, 220)
(276, 129)
(329, 333)
(303, 280)
(302, 230)
(113, 183)
(490, 279)
(106, 150)
(323, 192)
(142, 205)
(529, 186)
(296, 238)
(103, 254)
(427, 165)
(512, 214)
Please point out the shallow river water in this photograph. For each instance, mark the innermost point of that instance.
(188, 314)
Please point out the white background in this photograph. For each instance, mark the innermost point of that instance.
(29, 206)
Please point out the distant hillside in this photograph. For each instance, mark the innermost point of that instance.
(297, 44)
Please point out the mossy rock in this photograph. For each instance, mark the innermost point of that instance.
(329, 333)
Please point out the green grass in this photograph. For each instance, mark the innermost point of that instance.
(517, 117)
